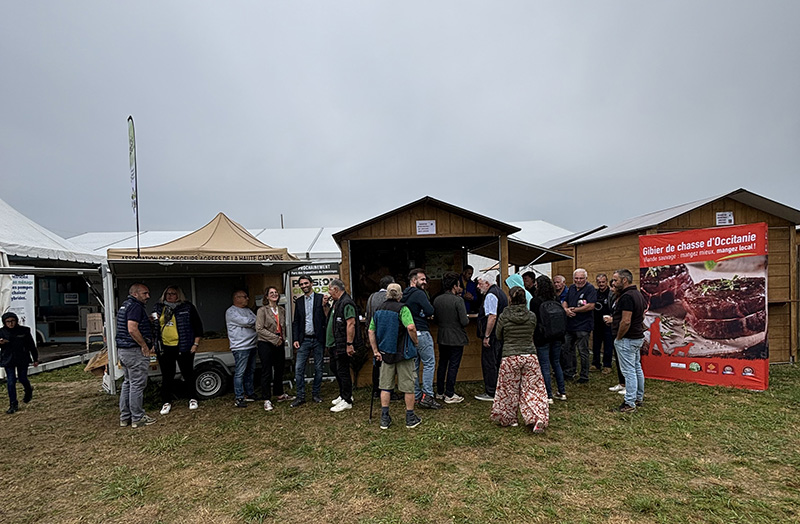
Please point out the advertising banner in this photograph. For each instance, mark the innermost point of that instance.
(23, 301)
(706, 320)
(321, 275)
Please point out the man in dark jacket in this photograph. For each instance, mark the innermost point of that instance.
(494, 302)
(340, 339)
(602, 337)
(579, 306)
(17, 350)
(134, 346)
(421, 309)
(451, 316)
(308, 332)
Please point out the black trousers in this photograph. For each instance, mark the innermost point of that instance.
(490, 364)
(340, 367)
(447, 368)
(273, 361)
(602, 338)
(167, 360)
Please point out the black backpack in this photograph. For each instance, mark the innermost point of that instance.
(553, 319)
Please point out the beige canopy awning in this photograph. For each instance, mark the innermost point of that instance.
(221, 240)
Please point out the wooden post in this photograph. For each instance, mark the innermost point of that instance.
(793, 293)
(504, 261)
(344, 267)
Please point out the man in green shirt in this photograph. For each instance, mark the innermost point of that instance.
(393, 337)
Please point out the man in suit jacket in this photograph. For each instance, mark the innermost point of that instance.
(308, 332)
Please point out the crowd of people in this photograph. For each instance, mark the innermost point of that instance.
(538, 332)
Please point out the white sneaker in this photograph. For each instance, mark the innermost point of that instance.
(549, 400)
(267, 405)
(165, 408)
(616, 388)
(336, 400)
(193, 404)
(455, 399)
(438, 396)
(341, 406)
(622, 391)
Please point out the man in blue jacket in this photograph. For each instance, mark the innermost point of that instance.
(134, 346)
(308, 332)
(421, 309)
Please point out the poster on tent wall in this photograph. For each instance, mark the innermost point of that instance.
(321, 276)
(23, 300)
(706, 320)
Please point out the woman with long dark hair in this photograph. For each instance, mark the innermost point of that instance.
(548, 349)
(271, 329)
(179, 330)
(519, 385)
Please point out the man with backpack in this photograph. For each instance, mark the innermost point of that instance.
(393, 338)
(551, 326)
(579, 306)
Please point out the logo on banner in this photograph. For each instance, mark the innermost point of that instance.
(711, 368)
(727, 370)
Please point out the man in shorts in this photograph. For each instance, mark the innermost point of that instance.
(395, 348)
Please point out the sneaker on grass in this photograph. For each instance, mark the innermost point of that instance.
(453, 399)
(166, 408)
(124, 423)
(386, 421)
(412, 420)
(193, 404)
(562, 396)
(267, 405)
(616, 388)
(297, 403)
(336, 400)
(625, 408)
(428, 402)
(622, 391)
(484, 397)
(341, 406)
(240, 403)
(438, 396)
(144, 421)
(285, 397)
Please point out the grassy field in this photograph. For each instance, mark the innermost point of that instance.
(691, 454)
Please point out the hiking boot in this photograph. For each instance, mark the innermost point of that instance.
(285, 398)
(386, 421)
(341, 406)
(453, 399)
(298, 402)
(28, 395)
(484, 397)
(144, 421)
(240, 403)
(625, 408)
(166, 408)
(267, 405)
(428, 402)
(412, 420)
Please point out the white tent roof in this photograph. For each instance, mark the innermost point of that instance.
(304, 243)
(22, 237)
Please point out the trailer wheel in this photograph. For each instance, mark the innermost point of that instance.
(211, 381)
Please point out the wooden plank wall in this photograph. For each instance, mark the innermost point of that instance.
(608, 255)
(404, 225)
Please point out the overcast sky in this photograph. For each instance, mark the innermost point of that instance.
(577, 113)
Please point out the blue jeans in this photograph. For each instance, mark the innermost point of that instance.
(426, 356)
(630, 362)
(245, 360)
(309, 347)
(131, 395)
(550, 355)
(15, 372)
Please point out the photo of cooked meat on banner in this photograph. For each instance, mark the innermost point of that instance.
(706, 291)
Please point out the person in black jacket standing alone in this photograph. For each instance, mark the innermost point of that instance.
(17, 350)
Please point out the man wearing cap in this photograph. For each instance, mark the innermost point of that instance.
(392, 336)
(494, 302)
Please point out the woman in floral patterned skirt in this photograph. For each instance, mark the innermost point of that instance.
(520, 385)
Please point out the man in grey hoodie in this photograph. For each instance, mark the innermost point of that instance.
(241, 323)
(421, 309)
